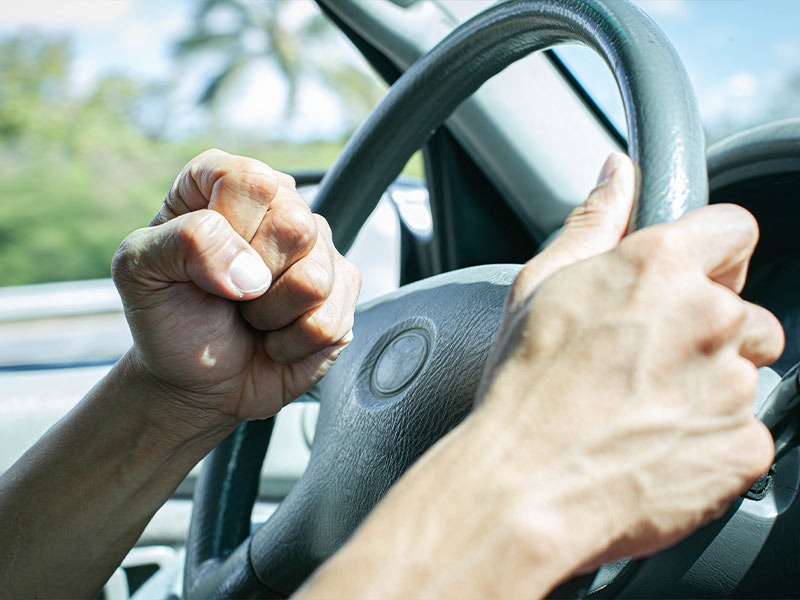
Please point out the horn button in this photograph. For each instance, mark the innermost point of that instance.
(399, 363)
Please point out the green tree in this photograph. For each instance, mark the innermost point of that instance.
(78, 172)
(71, 168)
(245, 33)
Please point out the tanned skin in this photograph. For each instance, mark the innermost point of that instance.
(623, 374)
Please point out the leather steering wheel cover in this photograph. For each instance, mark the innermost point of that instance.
(665, 133)
(217, 564)
(764, 150)
(665, 140)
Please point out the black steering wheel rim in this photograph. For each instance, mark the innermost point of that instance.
(665, 134)
(665, 141)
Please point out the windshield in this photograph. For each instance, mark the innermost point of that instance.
(743, 57)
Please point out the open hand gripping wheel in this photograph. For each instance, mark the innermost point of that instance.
(412, 371)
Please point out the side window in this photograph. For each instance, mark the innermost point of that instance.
(101, 105)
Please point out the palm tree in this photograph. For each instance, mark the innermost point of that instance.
(246, 32)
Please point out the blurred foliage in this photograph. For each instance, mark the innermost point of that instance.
(78, 173)
(70, 169)
(244, 33)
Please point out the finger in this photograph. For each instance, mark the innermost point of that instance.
(593, 227)
(763, 338)
(724, 237)
(303, 286)
(302, 376)
(760, 451)
(286, 180)
(719, 319)
(322, 327)
(288, 231)
(200, 247)
(238, 187)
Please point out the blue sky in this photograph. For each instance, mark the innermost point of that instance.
(107, 35)
(738, 53)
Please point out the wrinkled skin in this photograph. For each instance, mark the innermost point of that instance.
(623, 375)
(238, 303)
(175, 277)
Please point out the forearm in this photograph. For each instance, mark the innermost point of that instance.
(463, 524)
(78, 500)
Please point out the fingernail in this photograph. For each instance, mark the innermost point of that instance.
(249, 274)
(609, 168)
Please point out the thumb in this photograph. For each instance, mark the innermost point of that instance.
(593, 227)
(199, 247)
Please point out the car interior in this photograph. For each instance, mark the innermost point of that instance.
(378, 411)
(511, 142)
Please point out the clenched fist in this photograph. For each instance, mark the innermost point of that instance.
(236, 298)
(238, 303)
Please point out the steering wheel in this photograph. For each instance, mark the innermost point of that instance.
(412, 371)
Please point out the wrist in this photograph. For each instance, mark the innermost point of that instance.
(100, 472)
(563, 512)
(554, 521)
(170, 413)
(467, 521)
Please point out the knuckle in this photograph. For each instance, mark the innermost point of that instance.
(345, 324)
(355, 273)
(208, 175)
(774, 336)
(322, 328)
(247, 185)
(744, 218)
(217, 172)
(525, 281)
(289, 180)
(652, 248)
(295, 229)
(201, 224)
(522, 530)
(206, 161)
(124, 263)
(312, 285)
(740, 379)
(716, 510)
(529, 269)
(253, 179)
(322, 226)
(722, 317)
(286, 180)
(634, 253)
(759, 448)
(750, 224)
(349, 277)
(211, 152)
(200, 230)
(754, 452)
